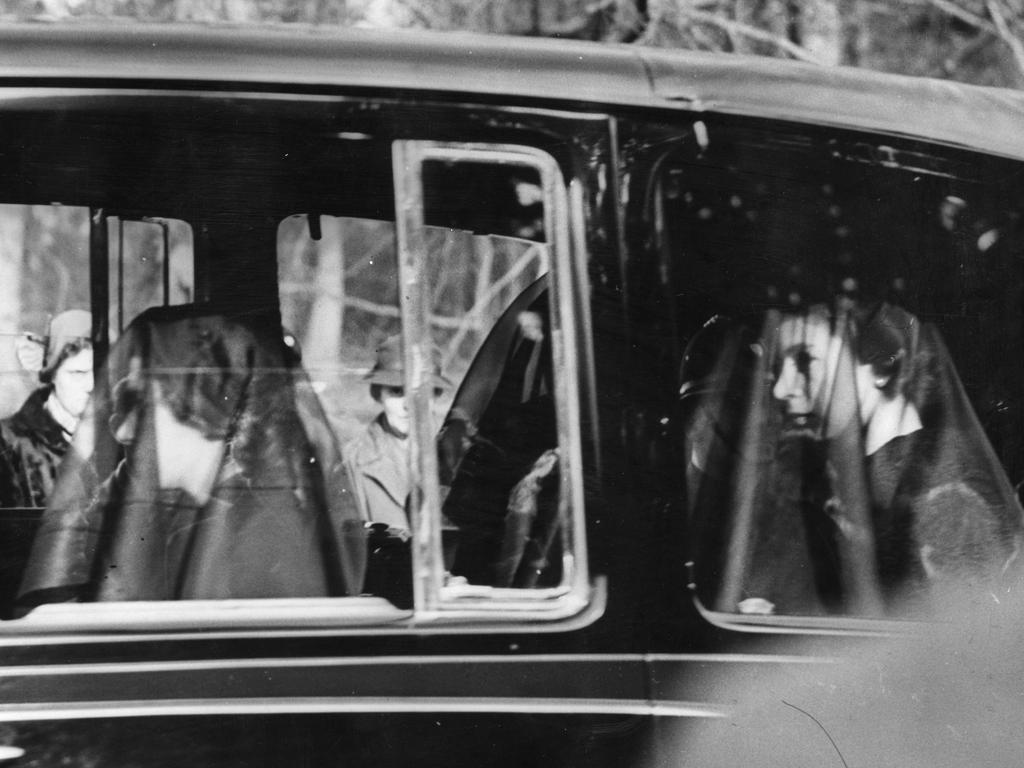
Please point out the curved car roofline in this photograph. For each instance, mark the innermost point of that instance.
(581, 74)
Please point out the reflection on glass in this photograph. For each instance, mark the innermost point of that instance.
(35, 439)
(854, 473)
(45, 366)
(151, 264)
(492, 371)
(504, 487)
(222, 485)
(378, 459)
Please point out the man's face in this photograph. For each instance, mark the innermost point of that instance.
(821, 387)
(72, 382)
(395, 407)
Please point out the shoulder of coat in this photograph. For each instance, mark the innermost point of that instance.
(364, 448)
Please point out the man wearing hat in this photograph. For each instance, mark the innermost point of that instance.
(378, 460)
(34, 440)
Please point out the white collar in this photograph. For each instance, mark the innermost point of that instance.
(892, 418)
(61, 415)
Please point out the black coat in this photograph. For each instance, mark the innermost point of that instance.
(32, 446)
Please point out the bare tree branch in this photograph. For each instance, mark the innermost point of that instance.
(735, 39)
(702, 38)
(655, 19)
(469, 321)
(971, 49)
(952, 9)
(745, 30)
(667, 15)
(578, 27)
(1006, 35)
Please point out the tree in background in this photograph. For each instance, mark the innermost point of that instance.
(978, 41)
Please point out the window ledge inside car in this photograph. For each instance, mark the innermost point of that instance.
(490, 607)
(478, 609)
(210, 614)
(810, 625)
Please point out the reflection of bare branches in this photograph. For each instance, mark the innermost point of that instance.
(371, 307)
(292, 287)
(63, 284)
(51, 224)
(470, 275)
(485, 295)
(438, 321)
(485, 251)
(368, 258)
(470, 320)
(326, 317)
(447, 247)
(298, 248)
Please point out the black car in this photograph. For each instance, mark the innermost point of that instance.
(708, 367)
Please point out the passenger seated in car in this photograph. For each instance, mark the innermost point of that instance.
(219, 494)
(34, 441)
(505, 484)
(378, 460)
(879, 441)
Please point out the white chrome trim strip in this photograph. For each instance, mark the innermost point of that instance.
(150, 667)
(847, 626)
(530, 706)
(122, 625)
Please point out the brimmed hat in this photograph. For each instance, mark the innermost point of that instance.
(389, 369)
(74, 325)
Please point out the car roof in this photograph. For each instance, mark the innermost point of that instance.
(572, 74)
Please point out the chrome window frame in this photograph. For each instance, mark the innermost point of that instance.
(435, 601)
(575, 603)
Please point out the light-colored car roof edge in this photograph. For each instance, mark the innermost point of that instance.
(520, 69)
(974, 117)
(330, 58)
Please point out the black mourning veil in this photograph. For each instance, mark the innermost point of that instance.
(835, 466)
(207, 471)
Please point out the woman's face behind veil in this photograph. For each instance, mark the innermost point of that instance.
(822, 389)
(189, 384)
(186, 458)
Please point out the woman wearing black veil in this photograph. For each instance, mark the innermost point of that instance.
(882, 489)
(227, 487)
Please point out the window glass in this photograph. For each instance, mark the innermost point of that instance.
(850, 395)
(151, 265)
(204, 474)
(246, 450)
(45, 365)
(340, 299)
(499, 460)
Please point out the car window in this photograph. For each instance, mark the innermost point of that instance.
(489, 422)
(151, 264)
(849, 405)
(399, 427)
(45, 365)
